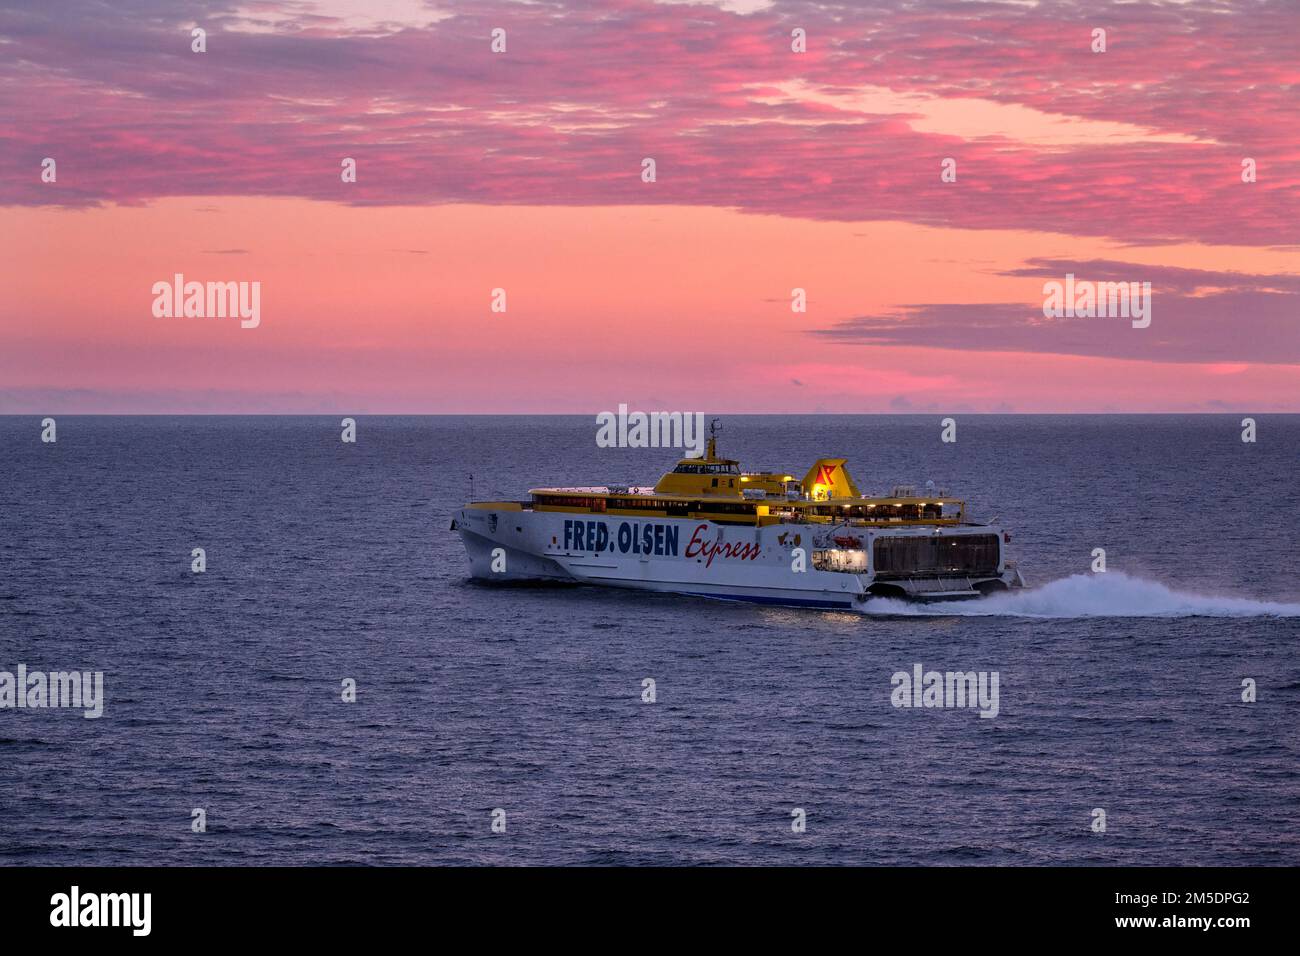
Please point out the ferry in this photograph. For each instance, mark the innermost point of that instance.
(708, 529)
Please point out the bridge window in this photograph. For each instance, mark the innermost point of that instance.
(707, 470)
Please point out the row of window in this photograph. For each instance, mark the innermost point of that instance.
(707, 470)
(681, 507)
(571, 501)
(931, 510)
(722, 507)
(647, 504)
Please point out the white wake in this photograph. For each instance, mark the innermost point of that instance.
(1110, 594)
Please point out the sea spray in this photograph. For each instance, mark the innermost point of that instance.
(1113, 594)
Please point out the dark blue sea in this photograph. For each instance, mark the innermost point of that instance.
(327, 561)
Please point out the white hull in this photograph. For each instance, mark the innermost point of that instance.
(708, 559)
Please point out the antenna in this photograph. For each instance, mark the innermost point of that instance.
(712, 451)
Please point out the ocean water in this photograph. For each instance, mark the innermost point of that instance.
(327, 561)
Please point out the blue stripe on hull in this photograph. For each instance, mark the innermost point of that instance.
(763, 599)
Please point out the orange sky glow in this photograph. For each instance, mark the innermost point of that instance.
(776, 171)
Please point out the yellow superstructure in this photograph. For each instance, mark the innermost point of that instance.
(715, 489)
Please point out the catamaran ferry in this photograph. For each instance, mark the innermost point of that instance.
(710, 530)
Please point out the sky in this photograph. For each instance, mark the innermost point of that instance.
(775, 169)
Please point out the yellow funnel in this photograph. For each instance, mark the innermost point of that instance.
(829, 479)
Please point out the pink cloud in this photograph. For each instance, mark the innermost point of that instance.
(586, 91)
